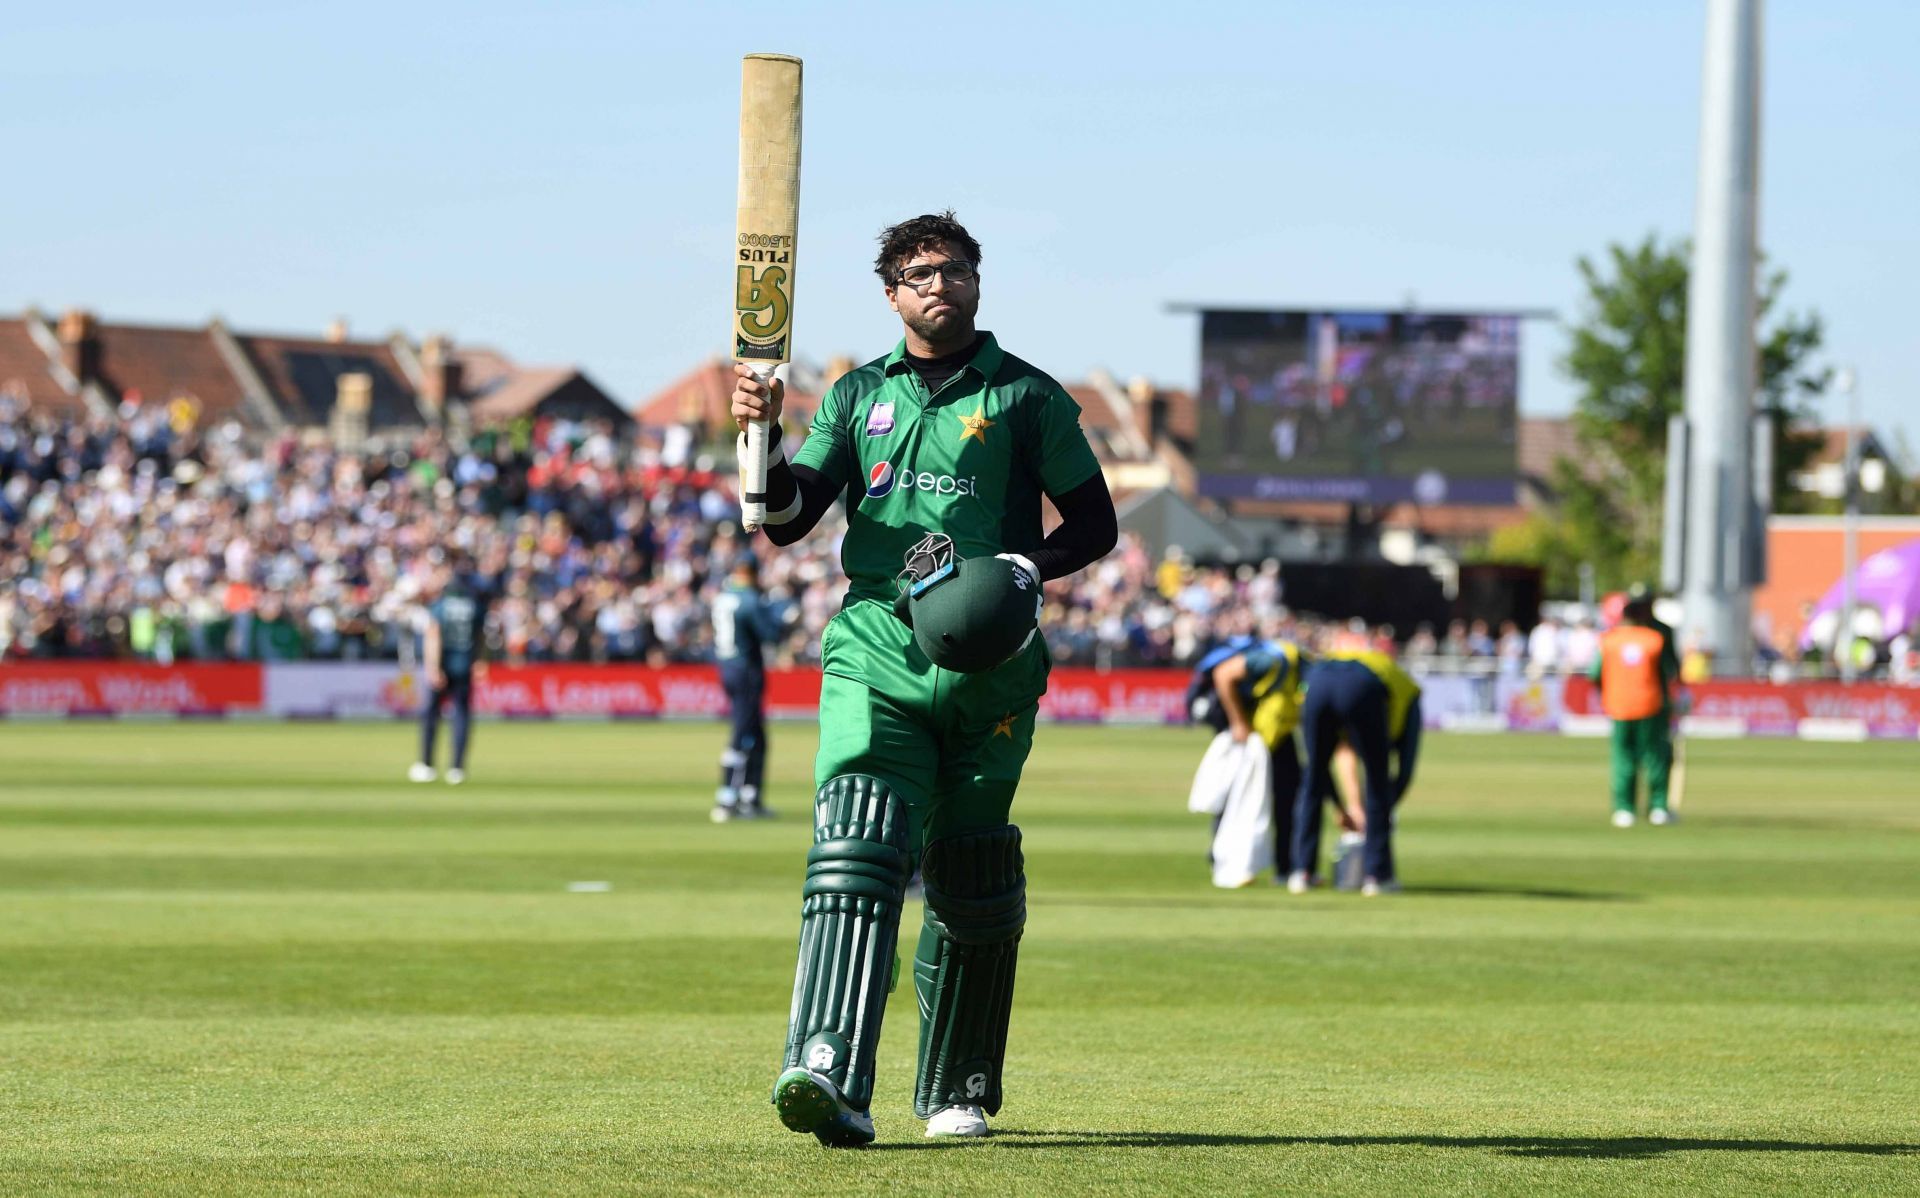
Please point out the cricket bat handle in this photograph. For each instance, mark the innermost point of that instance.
(753, 467)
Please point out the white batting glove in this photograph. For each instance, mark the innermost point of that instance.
(1033, 572)
(1032, 575)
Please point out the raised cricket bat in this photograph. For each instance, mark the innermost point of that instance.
(767, 229)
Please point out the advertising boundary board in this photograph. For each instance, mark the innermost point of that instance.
(129, 688)
(382, 690)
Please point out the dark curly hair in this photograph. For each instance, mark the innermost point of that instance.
(900, 242)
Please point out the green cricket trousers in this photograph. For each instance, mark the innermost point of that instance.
(1642, 745)
(952, 745)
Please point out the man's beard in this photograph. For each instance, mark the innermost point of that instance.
(956, 328)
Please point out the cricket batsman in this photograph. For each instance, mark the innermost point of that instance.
(941, 452)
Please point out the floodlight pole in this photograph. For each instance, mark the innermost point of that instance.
(1850, 529)
(1722, 365)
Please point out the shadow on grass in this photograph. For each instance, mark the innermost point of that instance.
(1584, 1147)
(1531, 892)
(1121, 902)
(1218, 900)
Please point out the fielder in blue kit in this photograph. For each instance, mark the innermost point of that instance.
(1250, 687)
(1367, 700)
(745, 626)
(450, 652)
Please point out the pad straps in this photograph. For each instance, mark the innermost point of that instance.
(976, 895)
(849, 923)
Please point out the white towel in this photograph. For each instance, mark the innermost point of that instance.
(1214, 778)
(1243, 846)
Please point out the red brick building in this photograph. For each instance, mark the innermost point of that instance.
(80, 365)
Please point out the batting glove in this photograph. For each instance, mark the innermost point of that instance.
(1032, 572)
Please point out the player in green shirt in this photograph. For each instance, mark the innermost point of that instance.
(948, 435)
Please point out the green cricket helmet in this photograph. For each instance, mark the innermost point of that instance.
(967, 615)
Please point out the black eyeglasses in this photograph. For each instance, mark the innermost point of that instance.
(957, 271)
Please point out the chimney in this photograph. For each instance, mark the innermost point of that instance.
(337, 331)
(439, 375)
(352, 406)
(1149, 409)
(80, 345)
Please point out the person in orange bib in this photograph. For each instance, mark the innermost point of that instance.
(1636, 670)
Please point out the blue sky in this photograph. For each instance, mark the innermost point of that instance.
(561, 185)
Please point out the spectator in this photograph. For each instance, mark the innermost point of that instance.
(1511, 649)
(1480, 640)
(1903, 665)
(1582, 647)
(1544, 650)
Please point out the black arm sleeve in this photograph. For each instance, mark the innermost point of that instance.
(816, 491)
(1088, 530)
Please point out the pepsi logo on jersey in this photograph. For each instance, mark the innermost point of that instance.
(882, 478)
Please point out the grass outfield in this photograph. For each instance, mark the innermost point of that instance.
(250, 959)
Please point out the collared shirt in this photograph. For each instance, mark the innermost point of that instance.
(970, 460)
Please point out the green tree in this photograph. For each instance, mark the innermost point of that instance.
(1629, 358)
(1584, 526)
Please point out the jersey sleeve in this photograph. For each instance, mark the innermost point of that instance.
(1062, 456)
(766, 622)
(826, 447)
(1259, 663)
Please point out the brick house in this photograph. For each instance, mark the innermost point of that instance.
(83, 366)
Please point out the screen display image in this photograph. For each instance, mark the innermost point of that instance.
(1359, 407)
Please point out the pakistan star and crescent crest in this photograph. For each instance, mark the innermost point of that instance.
(976, 426)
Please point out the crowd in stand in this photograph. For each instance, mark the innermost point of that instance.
(147, 537)
(139, 538)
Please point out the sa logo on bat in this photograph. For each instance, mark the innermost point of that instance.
(762, 307)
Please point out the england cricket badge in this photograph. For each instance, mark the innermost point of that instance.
(880, 420)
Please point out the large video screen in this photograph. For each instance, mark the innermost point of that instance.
(1358, 407)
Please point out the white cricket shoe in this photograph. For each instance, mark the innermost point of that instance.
(1298, 882)
(1374, 887)
(456, 776)
(420, 771)
(964, 1121)
(1623, 819)
(1660, 816)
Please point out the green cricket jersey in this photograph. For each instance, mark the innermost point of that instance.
(970, 461)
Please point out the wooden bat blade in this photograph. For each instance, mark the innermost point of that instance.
(766, 237)
(767, 227)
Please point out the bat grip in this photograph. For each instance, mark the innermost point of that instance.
(753, 467)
